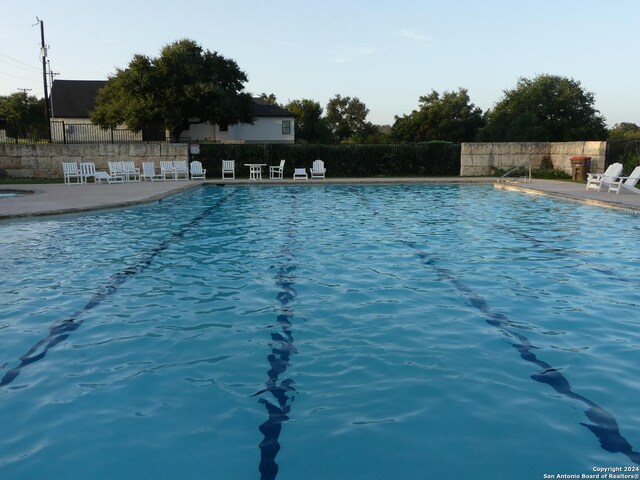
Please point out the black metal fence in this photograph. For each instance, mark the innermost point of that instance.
(626, 152)
(344, 160)
(64, 132)
(68, 132)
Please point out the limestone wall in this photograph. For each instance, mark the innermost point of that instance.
(483, 158)
(45, 160)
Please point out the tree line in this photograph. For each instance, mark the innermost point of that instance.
(187, 84)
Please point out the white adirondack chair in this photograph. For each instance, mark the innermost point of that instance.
(197, 172)
(228, 167)
(599, 182)
(626, 184)
(317, 169)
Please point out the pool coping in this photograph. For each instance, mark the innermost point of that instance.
(60, 199)
(576, 192)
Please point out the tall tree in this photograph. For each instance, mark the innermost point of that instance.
(185, 85)
(450, 117)
(624, 131)
(310, 126)
(347, 117)
(547, 108)
(22, 116)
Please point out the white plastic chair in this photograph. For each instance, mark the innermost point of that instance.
(626, 184)
(70, 171)
(180, 169)
(598, 182)
(130, 172)
(87, 170)
(116, 172)
(167, 169)
(149, 172)
(276, 171)
(229, 167)
(317, 169)
(197, 172)
(300, 174)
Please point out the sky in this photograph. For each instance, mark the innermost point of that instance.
(385, 53)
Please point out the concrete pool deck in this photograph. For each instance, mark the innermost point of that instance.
(57, 198)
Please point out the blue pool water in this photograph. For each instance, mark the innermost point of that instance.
(321, 332)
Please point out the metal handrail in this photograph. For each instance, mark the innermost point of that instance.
(525, 178)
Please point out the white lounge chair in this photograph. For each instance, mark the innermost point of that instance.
(626, 184)
(166, 169)
(317, 169)
(130, 172)
(197, 173)
(149, 172)
(300, 174)
(276, 171)
(70, 171)
(229, 167)
(180, 169)
(601, 181)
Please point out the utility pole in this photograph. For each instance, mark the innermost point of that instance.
(51, 75)
(43, 54)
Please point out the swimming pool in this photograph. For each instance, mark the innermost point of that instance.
(321, 332)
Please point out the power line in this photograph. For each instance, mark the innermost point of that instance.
(19, 77)
(14, 62)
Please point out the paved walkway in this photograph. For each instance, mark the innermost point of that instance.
(577, 192)
(49, 199)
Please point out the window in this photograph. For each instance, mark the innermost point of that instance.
(286, 127)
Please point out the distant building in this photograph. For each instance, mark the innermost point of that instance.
(73, 100)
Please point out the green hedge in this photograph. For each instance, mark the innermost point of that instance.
(346, 160)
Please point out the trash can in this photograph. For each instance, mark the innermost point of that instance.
(580, 167)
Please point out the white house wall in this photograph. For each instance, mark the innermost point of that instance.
(266, 129)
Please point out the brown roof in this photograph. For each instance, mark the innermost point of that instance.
(76, 98)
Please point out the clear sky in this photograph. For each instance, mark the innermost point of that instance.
(385, 52)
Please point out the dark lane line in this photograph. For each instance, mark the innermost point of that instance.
(604, 425)
(60, 330)
(279, 394)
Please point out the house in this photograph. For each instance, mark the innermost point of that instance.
(73, 100)
(273, 124)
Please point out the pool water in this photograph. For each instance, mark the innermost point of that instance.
(321, 332)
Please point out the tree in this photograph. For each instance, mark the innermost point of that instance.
(347, 117)
(449, 117)
(270, 98)
(22, 116)
(310, 126)
(185, 85)
(624, 131)
(547, 108)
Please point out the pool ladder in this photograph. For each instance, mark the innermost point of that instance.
(522, 178)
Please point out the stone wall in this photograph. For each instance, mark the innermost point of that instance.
(45, 160)
(484, 158)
